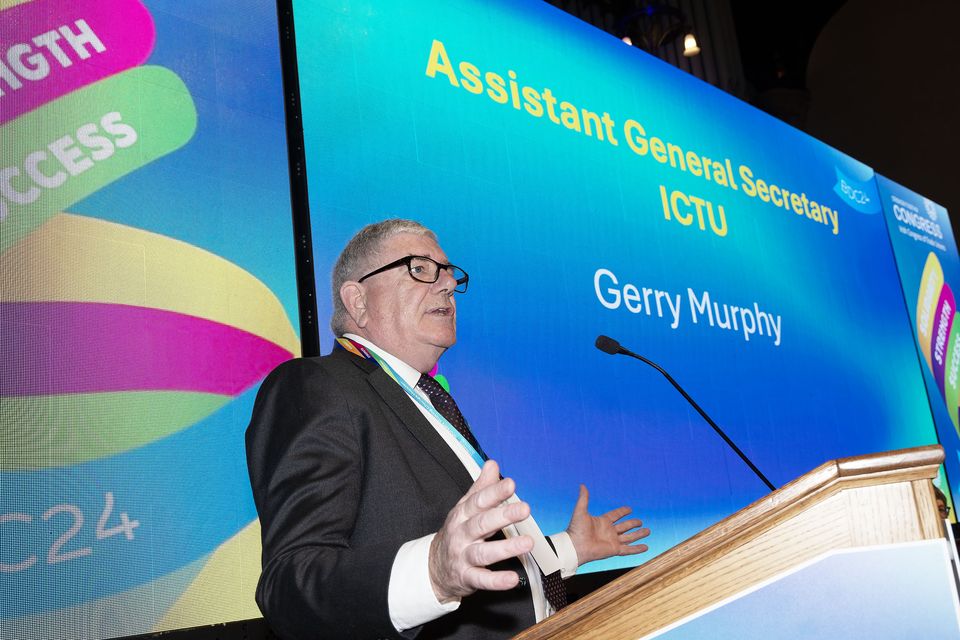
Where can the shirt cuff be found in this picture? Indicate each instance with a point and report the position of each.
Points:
(410, 595)
(566, 552)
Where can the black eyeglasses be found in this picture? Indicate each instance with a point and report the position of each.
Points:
(427, 270)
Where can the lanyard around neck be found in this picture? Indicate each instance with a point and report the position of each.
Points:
(358, 349)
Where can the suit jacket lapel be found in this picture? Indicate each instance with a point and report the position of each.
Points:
(409, 415)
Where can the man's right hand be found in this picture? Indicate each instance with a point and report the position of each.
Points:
(460, 553)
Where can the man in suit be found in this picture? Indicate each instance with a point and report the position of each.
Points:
(380, 515)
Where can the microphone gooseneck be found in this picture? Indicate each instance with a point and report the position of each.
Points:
(611, 346)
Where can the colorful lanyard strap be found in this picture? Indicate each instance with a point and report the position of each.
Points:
(358, 349)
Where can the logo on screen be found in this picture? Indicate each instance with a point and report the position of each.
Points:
(856, 193)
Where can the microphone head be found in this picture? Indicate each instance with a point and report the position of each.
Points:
(608, 345)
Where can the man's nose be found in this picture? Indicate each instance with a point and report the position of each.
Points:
(446, 282)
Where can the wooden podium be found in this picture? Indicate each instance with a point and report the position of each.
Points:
(868, 500)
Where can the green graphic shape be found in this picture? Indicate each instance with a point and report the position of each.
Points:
(74, 146)
(951, 377)
(442, 381)
(49, 431)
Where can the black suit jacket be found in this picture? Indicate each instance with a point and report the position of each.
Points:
(344, 470)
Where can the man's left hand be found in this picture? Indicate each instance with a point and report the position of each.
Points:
(599, 537)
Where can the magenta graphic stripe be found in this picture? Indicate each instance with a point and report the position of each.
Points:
(54, 47)
(942, 323)
(83, 347)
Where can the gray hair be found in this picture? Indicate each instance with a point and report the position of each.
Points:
(355, 258)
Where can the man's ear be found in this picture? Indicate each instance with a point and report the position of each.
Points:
(354, 298)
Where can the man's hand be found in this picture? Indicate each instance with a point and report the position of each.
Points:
(599, 537)
(460, 553)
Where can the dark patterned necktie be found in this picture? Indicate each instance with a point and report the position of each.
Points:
(554, 590)
(444, 403)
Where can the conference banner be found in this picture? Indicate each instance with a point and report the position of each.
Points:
(589, 188)
(929, 266)
(146, 287)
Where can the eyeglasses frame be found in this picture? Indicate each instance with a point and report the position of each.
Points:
(407, 260)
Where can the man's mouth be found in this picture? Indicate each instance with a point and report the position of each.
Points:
(441, 311)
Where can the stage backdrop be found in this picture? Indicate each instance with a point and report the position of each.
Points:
(146, 286)
(589, 188)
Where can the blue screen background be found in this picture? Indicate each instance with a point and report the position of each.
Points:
(532, 210)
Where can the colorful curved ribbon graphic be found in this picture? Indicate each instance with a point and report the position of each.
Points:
(131, 359)
(939, 334)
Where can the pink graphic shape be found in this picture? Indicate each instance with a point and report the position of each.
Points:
(122, 28)
(85, 347)
(942, 322)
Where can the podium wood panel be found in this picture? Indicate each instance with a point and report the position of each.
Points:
(867, 500)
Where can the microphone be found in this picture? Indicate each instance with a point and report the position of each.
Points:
(611, 346)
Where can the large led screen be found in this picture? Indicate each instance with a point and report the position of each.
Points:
(146, 287)
(589, 188)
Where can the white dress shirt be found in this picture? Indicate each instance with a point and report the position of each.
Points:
(410, 596)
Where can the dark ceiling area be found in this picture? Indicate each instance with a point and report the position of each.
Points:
(776, 39)
(851, 73)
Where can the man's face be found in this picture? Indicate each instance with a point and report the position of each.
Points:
(415, 321)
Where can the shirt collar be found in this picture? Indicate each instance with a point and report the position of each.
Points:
(410, 375)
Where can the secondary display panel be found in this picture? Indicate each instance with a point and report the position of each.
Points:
(588, 189)
(146, 287)
(929, 266)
